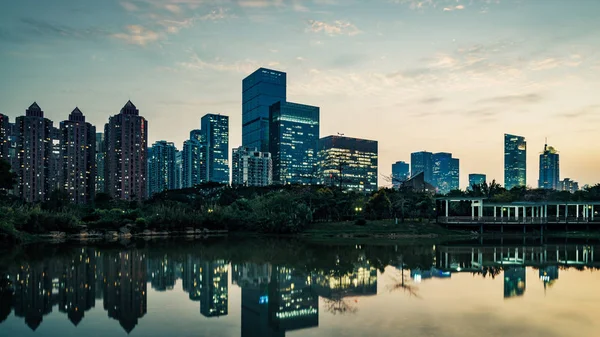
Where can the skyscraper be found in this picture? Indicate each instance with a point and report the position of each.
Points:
(515, 161)
(100, 155)
(445, 172)
(476, 179)
(349, 163)
(126, 139)
(422, 162)
(549, 168)
(193, 159)
(178, 169)
(400, 173)
(293, 140)
(34, 150)
(568, 185)
(162, 173)
(5, 133)
(251, 167)
(215, 129)
(78, 158)
(260, 90)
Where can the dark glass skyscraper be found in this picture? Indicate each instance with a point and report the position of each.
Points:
(515, 161)
(294, 136)
(162, 174)
(445, 172)
(476, 179)
(400, 173)
(193, 160)
(260, 90)
(215, 130)
(422, 162)
(549, 168)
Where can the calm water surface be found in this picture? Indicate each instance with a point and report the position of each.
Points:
(289, 288)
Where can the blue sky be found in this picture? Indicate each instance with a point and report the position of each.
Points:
(436, 75)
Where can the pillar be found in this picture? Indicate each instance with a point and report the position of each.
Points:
(566, 212)
(494, 213)
(577, 211)
(592, 212)
(517, 212)
(557, 211)
(481, 208)
(472, 211)
(446, 208)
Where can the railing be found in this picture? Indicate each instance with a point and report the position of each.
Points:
(514, 220)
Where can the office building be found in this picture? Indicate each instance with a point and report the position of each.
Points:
(55, 181)
(422, 162)
(78, 158)
(515, 161)
(476, 179)
(260, 90)
(100, 155)
(5, 133)
(178, 169)
(445, 172)
(251, 167)
(193, 160)
(549, 168)
(215, 130)
(34, 151)
(400, 173)
(162, 168)
(126, 143)
(293, 140)
(349, 163)
(568, 185)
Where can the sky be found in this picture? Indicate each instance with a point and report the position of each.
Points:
(436, 75)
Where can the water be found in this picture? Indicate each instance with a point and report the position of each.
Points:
(291, 288)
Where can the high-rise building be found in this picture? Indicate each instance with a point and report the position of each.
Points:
(476, 179)
(250, 167)
(445, 172)
(126, 139)
(178, 169)
(549, 168)
(515, 161)
(5, 133)
(293, 140)
(568, 185)
(100, 155)
(214, 300)
(193, 160)
(162, 169)
(78, 159)
(260, 90)
(349, 163)
(55, 181)
(215, 129)
(422, 162)
(400, 173)
(34, 151)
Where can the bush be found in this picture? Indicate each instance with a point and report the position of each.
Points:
(360, 222)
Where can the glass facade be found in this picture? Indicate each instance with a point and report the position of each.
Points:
(445, 172)
(215, 130)
(260, 90)
(162, 174)
(294, 136)
(350, 163)
(193, 160)
(422, 162)
(400, 173)
(476, 179)
(549, 168)
(515, 161)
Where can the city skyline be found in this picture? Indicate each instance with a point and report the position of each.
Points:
(344, 61)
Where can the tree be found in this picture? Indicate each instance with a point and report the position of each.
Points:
(8, 179)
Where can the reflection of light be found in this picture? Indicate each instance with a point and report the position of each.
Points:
(417, 278)
(458, 269)
(263, 300)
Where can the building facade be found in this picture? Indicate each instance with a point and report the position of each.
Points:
(126, 143)
(162, 168)
(178, 169)
(515, 161)
(78, 153)
(349, 163)
(193, 160)
(293, 140)
(549, 168)
(215, 130)
(445, 172)
(5, 134)
(422, 162)
(568, 185)
(34, 150)
(260, 90)
(100, 155)
(251, 167)
(476, 179)
(400, 173)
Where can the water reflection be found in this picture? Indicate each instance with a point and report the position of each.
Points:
(279, 292)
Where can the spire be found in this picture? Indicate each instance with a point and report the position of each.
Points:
(130, 109)
(76, 115)
(34, 110)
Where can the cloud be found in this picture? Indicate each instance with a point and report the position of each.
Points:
(137, 35)
(173, 8)
(450, 9)
(431, 100)
(243, 67)
(43, 28)
(552, 62)
(587, 111)
(130, 7)
(513, 99)
(338, 27)
(260, 3)
(218, 14)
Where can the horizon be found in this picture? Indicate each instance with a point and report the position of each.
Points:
(482, 69)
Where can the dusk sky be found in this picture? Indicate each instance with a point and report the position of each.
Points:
(435, 75)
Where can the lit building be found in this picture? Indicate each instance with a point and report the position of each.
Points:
(178, 169)
(5, 133)
(360, 281)
(549, 169)
(568, 185)
(100, 155)
(34, 151)
(349, 163)
(193, 160)
(78, 148)
(476, 179)
(215, 129)
(126, 143)
(260, 90)
(445, 172)
(162, 169)
(293, 303)
(77, 293)
(214, 299)
(422, 162)
(55, 180)
(161, 272)
(293, 140)
(400, 173)
(515, 161)
(31, 299)
(191, 279)
(251, 167)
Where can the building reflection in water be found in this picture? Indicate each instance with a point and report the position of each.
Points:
(361, 280)
(77, 285)
(161, 273)
(514, 282)
(214, 296)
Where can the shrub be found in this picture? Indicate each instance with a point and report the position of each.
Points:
(360, 222)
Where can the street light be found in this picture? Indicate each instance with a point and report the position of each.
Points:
(358, 209)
